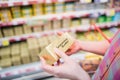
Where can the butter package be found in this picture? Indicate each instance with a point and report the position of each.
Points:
(63, 43)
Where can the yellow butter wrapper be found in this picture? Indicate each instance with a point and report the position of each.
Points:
(63, 43)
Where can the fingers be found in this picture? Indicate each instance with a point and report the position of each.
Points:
(46, 67)
(59, 33)
(60, 53)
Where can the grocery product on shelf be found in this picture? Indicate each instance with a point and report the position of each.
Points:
(5, 52)
(16, 12)
(48, 25)
(59, 7)
(15, 50)
(66, 22)
(5, 62)
(27, 29)
(33, 48)
(69, 7)
(18, 30)
(56, 24)
(1, 33)
(48, 8)
(27, 11)
(6, 15)
(8, 32)
(37, 9)
(75, 22)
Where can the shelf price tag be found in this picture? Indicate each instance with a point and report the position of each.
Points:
(5, 42)
(110, 12)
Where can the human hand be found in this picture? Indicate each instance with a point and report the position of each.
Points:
(74, 48)
(69, 69)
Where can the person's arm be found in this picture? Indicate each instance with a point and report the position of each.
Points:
(98, 47)
(69, 69)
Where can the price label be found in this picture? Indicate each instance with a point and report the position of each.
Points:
(5, 42)
(110, 12)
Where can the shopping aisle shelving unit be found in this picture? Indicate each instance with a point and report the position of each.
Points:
(33, 70)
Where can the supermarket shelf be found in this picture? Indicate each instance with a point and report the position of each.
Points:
(45, 33)
(30, 71)
(58, 16)
(28, 2)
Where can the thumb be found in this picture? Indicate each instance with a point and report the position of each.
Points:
(60, 53)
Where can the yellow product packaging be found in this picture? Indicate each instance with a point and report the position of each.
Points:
(4, 63)
(37, 9)
(16, 60)
(16, 12)
(33, 46)
(27, 11)
(5, 52)
(1, 35)
(18, 30)
(6, 15)
(63, 43)
(15, 50)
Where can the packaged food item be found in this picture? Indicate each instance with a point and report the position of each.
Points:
(16, 60)
(27, 29)
(37, 9)
(69, 6)
(16, 11)
(108, 18)
(66, 22)
(4, 63)
(59, 7)
(38, 28)
(18, 30)
(85, 21)
(63, 43)
(48, 8)
(27, 11)
(101, 19)
(5, 52)
(75, 22)
(15, 49)
(33, 47)
(48, 25)
(1, 35)
(8, 32)
(6, 15)
(42, 44)
(25, 58)
(56, 24)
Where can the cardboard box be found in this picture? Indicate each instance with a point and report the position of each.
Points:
(1, 35)
(48, 25)
(15, 50)
(66, 22)
(27, 29)
(8, 32)
(18, 30)
(63, 43)
(33, 46)
(57, 24)
(16, 60)
(4, 63)
(5, 52)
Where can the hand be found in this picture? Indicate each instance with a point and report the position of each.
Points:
(69, 69)
(74, 48)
